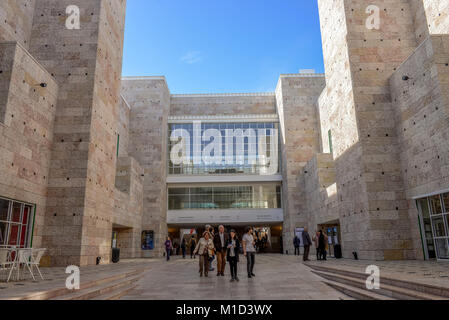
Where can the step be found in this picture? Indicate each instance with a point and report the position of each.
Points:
(424, 288)
(92, 293)
(53, 293)
(355, 293)
(116, 294)
(386, 290)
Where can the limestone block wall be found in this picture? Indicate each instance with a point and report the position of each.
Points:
(123, 127)
(87, 66)
(16, 19)
(421, 114)
(369, 180)
(431, 17)
(222, 104)
(149, 99)
(320, 190)
(296, 97)
(128, 204)
(26, 132)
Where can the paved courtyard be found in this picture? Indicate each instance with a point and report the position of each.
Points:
(277, 278)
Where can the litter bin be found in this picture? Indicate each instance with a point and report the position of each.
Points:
(337, 251)
(115, 255)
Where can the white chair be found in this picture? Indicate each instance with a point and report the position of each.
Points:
(36, 256)
(5, 261)
(24, 257)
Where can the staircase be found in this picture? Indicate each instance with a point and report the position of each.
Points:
(353, 284)
(109, 288)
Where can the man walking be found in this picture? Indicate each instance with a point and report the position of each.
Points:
(296, 244)
(221, 243)
(192, 245)
(306, 242)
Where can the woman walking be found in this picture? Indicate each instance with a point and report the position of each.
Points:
(205, 249)
(322, 239)
(168, 248)
(233, 251)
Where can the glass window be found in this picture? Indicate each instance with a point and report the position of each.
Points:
(438, 227)
(266, 157)
(3, 230)
(4, 206)
(435, 204)
(442, 248)
(229, 197)
(446, 202)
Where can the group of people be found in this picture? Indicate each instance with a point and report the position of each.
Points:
(320, 239)
(225, 248)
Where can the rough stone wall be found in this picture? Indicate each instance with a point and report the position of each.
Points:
(373, 209)
(123, 127)
(16, 19)
(421, 114)
(200, 105)
(296, 106)
(320, 190)
(149, 99)
(26, 133)
(87, 65)
(431, 17)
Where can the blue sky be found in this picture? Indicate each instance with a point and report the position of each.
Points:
(211, 46)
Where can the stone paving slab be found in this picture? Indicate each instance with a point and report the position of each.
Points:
(55, 278)
(425, 272)
(278, 277)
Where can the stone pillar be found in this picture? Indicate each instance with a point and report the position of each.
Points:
(87, 66)
(149, 99)
(356, 106)
(296, 98)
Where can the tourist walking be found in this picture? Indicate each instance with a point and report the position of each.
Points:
(296, 244)
(204, 249)
(306, 243)
(249, 251)
(212, 256)
(192, 245)
(183, 248)
(220, 243)
(232, 253)
(315, 239)
(322, 242)
(168, 247)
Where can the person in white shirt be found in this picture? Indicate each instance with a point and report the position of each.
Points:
(249, 251)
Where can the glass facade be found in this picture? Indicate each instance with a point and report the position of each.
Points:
(263, 196)
(16, 219)
(434, 211)
(223, 148)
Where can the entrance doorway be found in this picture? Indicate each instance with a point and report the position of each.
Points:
(332, 230)
(268, 237)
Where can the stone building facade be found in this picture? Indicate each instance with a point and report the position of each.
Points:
(363, 149)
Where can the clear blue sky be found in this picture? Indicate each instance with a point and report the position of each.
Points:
(211, 46)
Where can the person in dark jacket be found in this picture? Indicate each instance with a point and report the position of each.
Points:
(183, 248)
(296, 244)
(306, 241)
(192, 245)
(232, 254)
(322, 240)
(220, 243)
(168, 247)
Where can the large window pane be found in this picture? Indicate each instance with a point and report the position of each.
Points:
(435, 204)
(442, 248)
(438, 226)
(229, 197)
(13, 239)
(4, 205)
(3, 230)
(446, 202)
(16, 210)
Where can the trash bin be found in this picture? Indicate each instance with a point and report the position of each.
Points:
(337, 251)
(115, 255)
